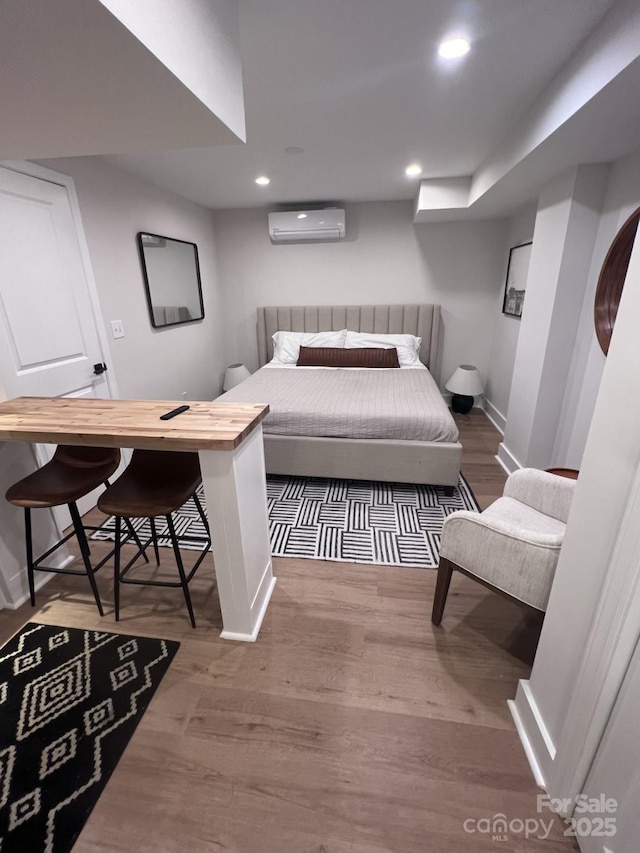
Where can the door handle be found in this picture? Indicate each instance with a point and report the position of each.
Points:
(99, 369)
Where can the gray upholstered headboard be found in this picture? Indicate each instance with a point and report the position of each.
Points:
(421, 320)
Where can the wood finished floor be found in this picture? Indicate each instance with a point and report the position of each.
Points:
(351, 725)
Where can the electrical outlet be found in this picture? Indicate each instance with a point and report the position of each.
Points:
(184, 395)
(117, 328)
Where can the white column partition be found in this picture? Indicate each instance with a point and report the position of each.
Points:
(235, 490)
(592, 622)
(565, 231)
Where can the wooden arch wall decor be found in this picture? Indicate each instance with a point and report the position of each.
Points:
(611, 281)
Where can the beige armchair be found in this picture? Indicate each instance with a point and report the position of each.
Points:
(511, 547)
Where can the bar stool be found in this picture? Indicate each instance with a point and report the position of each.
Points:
(156, 483)
(71, 474)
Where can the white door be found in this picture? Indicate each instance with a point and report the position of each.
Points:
(49, 340)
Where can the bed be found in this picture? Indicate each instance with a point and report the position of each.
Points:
(424, 450)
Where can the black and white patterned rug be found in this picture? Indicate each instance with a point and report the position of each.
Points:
(357, 521)
(69, 702)
(353, 521)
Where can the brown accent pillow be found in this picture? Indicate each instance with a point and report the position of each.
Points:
(340, 357)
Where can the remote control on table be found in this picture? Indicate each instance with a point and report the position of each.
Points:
(168, 415)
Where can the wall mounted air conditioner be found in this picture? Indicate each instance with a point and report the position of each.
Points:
(293, 226)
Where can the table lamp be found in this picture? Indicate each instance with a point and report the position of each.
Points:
(464, 383)
(234, 375)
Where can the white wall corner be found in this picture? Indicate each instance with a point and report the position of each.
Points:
(16, 588)
(506, 459)
(495, 416)
(533, 733)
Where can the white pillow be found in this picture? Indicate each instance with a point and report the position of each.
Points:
(286, 345)
(408, 346)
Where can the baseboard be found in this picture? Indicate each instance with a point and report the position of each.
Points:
(533, 733)
(17, 586)
(506, 459)
(259, 609)
(497, 418)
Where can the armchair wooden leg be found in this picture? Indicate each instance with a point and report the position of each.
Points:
(445, 570)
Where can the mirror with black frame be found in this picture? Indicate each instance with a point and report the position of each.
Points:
(172, 279)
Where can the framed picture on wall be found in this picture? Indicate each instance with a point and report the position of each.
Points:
(516, 283)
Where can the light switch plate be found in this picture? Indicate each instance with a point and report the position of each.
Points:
(117, 329)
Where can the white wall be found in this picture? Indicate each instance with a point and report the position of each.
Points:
(624, 182)
(385, 259)
(574, 402)
(566, 226)
(506, 329)
(622, 198)
(616, 768)
(149, 363)
(598, 567)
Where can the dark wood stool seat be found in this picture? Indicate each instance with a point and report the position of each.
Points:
(72, 473)
(156, 483)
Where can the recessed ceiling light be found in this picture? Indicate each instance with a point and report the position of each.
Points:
(263, 180)
(453, 48)
(302, 216)
(413, 170)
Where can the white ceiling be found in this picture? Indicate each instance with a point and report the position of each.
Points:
(102, 76)
(358, 85)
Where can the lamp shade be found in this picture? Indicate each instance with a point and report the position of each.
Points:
(234, 375)
(466, 381)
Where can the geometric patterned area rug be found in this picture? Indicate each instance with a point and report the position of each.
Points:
(69, 702)
(354, 521)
